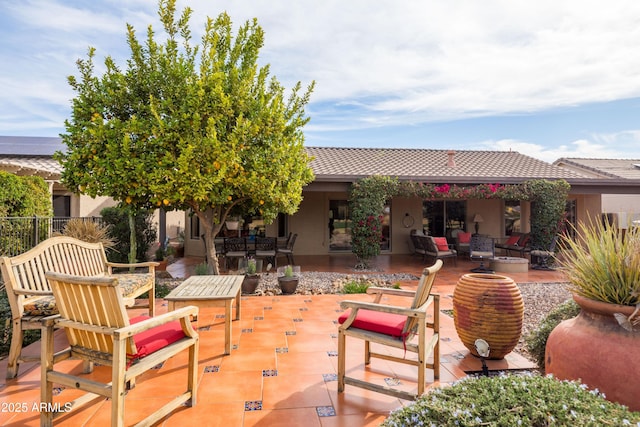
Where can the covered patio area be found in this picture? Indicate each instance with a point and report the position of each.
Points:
(283, 364)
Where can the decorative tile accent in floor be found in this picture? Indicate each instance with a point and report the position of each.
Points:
(326, 411)
(392, 382)
(329, 377)
(253, 405)
(212, 368)
(269, 372)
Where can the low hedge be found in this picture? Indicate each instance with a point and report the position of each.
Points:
(513, 400)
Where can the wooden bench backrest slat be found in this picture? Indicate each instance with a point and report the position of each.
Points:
(93, 301)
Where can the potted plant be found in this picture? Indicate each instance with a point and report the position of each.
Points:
(288, 277)
(601, 345)
(251, 277)
(161, 259)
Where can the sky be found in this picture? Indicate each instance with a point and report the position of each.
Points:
(546, 78)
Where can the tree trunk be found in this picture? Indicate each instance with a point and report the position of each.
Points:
(133, 246)
(210, 230)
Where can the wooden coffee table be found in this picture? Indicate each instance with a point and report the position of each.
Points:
(210, 291)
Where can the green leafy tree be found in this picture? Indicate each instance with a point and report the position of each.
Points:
(189, 127)
(23, 196)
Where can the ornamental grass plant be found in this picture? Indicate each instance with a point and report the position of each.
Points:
(603, 263)
(513, 400)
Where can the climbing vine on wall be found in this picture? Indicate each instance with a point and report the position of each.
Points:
(369, 195)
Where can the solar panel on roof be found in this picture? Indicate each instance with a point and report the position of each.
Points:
(30, 145)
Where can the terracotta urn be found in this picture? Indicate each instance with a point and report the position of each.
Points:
(596, 350)
(488, 307)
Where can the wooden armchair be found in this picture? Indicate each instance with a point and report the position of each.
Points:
(94, 317)
(394, 326)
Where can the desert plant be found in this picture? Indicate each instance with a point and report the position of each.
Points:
(526, 400)
(356, 286)
(89, 231)
(251, 267)
(604, 265)
(537, 340)
(201, 269)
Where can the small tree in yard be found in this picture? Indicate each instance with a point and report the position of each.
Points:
(189, 127)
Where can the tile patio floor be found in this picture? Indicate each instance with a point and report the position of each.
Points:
(281, 371)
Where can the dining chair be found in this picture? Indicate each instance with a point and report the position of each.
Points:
(234, 248)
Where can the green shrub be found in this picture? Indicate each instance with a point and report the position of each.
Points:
(201, 269)
(515, 400)
(356, 286)
(118, 224)
(537, 340)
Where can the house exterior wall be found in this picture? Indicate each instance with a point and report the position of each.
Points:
(588, 206)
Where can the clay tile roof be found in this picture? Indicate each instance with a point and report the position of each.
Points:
(603, 168)
(350, 164)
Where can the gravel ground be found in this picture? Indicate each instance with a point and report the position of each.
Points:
(539, 298)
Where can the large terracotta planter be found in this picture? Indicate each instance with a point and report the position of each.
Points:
(596, 350)
(488, 306)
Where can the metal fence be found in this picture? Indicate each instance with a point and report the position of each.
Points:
(19, 234)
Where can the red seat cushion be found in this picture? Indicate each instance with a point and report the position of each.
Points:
(513, 240)
(441, 243)
(464, 237)
(375, 321)
(156, 338)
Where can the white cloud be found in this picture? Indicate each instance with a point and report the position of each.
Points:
(582, 148)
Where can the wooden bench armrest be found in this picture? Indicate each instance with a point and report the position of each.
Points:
(31, 292)
(391, 291)
(179, 314)
(383, 308)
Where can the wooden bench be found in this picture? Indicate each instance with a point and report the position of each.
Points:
(31, 298)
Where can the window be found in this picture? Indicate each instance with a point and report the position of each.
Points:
(340, 226)
(61, 206)
(441, 217)
(195, 227)
(571, 218)
(512, 223)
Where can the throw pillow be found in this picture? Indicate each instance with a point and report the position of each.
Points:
(464, 237)
(441, 243)
(513, 240)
